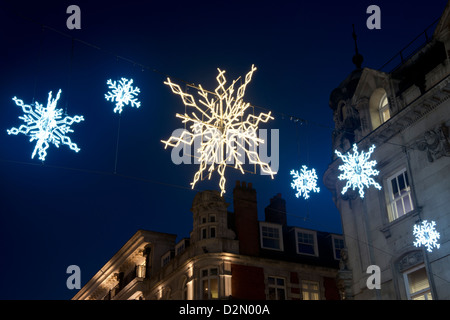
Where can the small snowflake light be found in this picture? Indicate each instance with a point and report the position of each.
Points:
(225, 130)
(123, 93)
(357, 170)
(304, 182)
(426, 235)
(46, 125)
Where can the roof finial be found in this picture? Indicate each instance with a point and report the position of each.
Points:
(357, 58)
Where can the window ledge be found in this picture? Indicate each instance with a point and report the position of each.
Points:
(386, 229)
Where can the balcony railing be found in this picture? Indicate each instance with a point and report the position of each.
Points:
(410, 49)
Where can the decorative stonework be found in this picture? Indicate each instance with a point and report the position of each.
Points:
(344, 278)
(208, 200)
(436, 143)
(410, 260)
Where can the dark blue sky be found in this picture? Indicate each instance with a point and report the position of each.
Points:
(74, 209)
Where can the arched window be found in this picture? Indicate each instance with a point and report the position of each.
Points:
(385, 114)
(379, 108)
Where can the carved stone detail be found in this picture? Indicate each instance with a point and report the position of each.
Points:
(410, 260)
(344, 278)
(436, 143)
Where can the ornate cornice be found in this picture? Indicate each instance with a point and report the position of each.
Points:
(412, 113)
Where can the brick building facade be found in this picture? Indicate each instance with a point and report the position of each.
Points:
(229, 255)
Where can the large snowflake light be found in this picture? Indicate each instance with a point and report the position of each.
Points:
(304, 182)
(357, 170)
(46, 125)
(226, 132)
(426, 235)
(123, 93)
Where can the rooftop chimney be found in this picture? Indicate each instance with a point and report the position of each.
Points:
(246, 218)
(276, 211)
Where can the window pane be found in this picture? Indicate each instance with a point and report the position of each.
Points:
(214, 288)
(213, 272)
(205, 290)
(418, 281)
(310, 290)
(406, 178)
(386, 115)
(407, 203)
(338, 245)
(271, 281)
(401, 182)
(399, 204)
(270, 243)
(280, 282)
(280, 294)
(305, 242)
(212, 232)
(204, 273)
(314, 296)
(305, 248)
(272, 294)
(394, 187)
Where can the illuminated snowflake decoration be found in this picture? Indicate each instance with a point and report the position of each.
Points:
(357, 170)
(304, 182)
(426, 235)
(226, 132)
(123, 93)
(45, 125)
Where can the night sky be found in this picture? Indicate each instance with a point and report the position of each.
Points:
(80, 208)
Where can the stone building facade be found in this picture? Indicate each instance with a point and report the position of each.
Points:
(405, 113)
(229, 255)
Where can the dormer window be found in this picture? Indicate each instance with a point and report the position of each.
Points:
(385, 113)
(306, 241)
(271, 236)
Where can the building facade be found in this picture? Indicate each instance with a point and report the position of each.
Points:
(405, 113)
(229, 255)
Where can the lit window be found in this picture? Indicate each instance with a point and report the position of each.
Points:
(210, 283)
(306, 242)
(277, 288)
(310, 290)
(399, 195)
(271, 236)
(385, 114)
(338, 244)
(417, 285)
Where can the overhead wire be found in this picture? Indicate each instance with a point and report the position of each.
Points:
(283, 116)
